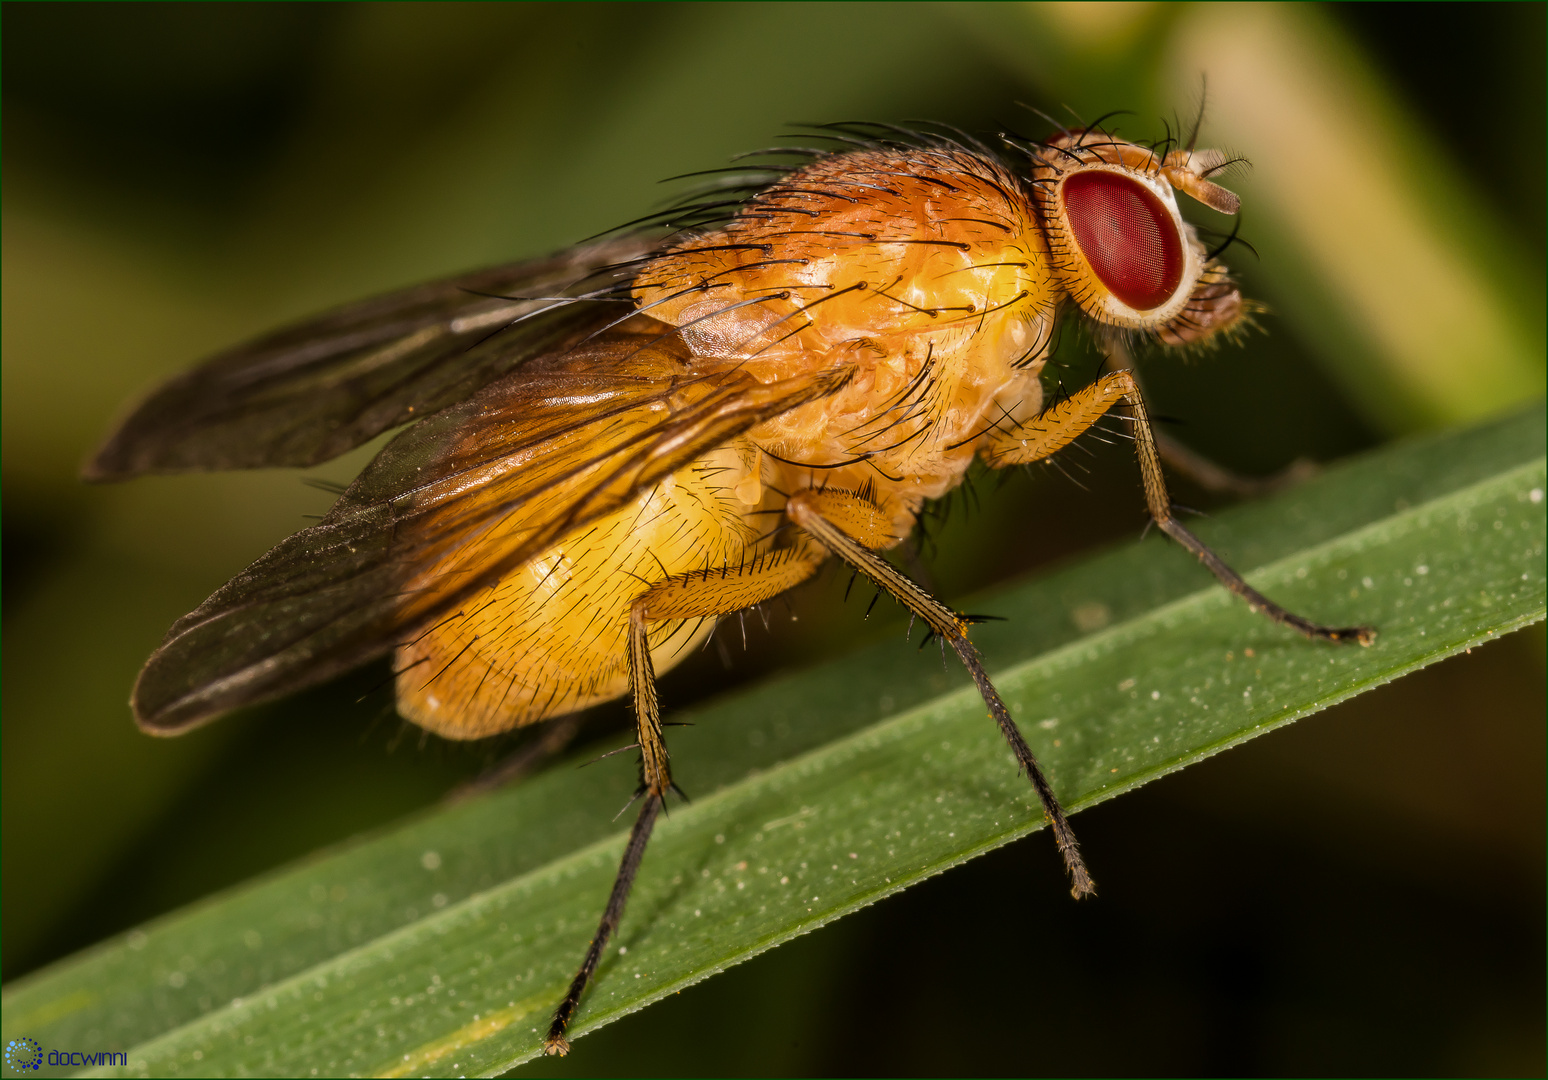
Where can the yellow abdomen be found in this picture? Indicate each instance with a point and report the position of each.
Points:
(551, 638)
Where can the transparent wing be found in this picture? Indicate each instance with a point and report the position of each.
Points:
(310, 392)
(451, 505)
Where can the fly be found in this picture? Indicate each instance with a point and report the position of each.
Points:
(613, 448)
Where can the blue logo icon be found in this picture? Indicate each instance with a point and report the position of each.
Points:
(23, 1055)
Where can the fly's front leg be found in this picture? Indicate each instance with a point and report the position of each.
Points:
(1057, 427)
(700, 594)
(849, 526)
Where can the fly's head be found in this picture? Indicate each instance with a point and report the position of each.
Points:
(1118, 244)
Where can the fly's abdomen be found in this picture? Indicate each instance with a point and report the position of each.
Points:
(550, 638)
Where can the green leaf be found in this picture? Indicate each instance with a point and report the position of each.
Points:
(443, 945)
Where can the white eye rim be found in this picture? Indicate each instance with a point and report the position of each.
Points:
(1095, 298)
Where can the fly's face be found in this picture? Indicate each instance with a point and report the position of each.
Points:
(1118, 243)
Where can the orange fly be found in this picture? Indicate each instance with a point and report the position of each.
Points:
(611, 449)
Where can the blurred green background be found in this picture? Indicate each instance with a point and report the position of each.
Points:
(178, 177)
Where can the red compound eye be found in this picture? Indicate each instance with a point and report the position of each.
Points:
(1127, 237)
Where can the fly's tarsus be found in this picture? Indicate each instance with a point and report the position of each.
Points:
(555, 1043)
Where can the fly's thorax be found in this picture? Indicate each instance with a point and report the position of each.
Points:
(550, 637)
(923, 271)
(912, 417)
(883, 245)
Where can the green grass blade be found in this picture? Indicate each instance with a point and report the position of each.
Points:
(441, 946)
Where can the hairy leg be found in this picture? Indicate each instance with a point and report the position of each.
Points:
(818, 513)
(699, 594)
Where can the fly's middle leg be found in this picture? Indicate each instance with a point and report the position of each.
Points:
(864, 525)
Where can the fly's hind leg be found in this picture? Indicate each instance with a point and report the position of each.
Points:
(700, 594)
(655, 780)
(849, 526)
(1058, 426)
